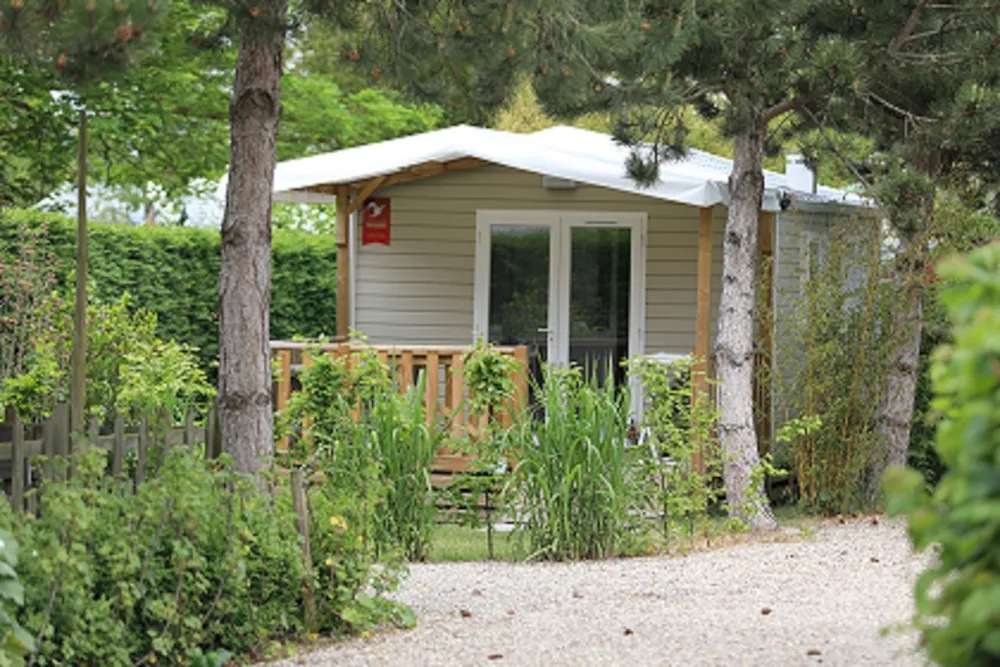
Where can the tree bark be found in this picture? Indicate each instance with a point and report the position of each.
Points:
(734, 347)
(245, 408)
(896, 408)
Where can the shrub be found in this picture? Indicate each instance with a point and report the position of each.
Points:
(680, 434)
(173, 272)
(577, 478)
(958, 597)
(836, 341)
(367, 435)
(128, 368)
(490, 378)
(195, 561)
(15, 642)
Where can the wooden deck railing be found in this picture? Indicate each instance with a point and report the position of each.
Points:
(445, 392)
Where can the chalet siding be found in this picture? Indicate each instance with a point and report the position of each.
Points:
(419, 290)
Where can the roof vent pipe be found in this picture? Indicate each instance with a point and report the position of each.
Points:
(798, 174)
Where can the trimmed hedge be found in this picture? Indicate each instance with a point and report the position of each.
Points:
(174, 272)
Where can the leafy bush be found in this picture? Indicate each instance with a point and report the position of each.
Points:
(15, 642)
(490, 377)
(577, 479)
(128, 369)
(197, 560)
(371, 437)
(173, 272)
(836, 340)
(680, 433)
(28, 305)
(958, 597)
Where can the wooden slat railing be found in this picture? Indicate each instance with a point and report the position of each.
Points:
(445, 391)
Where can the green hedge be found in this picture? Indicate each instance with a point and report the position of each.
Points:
(174, 272)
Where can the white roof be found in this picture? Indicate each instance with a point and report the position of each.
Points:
(700, 179)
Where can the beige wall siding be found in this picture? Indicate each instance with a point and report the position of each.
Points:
(420, 289)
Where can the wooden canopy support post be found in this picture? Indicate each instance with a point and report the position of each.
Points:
(763, 376)
(343, 264)
(703, 317)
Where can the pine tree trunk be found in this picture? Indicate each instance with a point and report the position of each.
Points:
(896, 409)
(734, 350)
(245, 408)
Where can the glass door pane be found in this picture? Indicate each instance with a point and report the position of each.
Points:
(599, 288)
(519, 289)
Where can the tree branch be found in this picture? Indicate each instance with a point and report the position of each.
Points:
(796, 102)
(909, 27)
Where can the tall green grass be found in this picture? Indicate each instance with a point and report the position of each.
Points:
(404, 446)
(575, 473)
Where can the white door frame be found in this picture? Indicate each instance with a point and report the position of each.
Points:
(561, 224)
(481, 299)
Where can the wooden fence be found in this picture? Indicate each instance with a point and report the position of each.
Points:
(56, 440)
(445, 392)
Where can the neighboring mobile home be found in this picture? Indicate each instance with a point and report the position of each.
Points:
(541, 239)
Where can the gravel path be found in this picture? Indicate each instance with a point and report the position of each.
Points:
(813, 600)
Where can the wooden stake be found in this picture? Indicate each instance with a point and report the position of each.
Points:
(703, 318)
(61, 435)
(17, 465)
(118, 445)
(142, 451)
(300, 506)
(78, 379)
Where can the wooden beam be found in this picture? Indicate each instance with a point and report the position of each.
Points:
(343, 264)
(416, 172)
(359, 199)
(703, 318)
(703, 314)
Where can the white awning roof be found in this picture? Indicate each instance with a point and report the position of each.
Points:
(700, 179)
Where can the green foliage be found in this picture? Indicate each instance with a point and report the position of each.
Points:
(377, 465)
(578, 482)
(837, 338)
(158, 376)
(29, 306)
(39, 388)
(680, 433)
(15, 642)
(958, 597)
(128, 368)
(173, 273)
(195, 564)
(485, 484)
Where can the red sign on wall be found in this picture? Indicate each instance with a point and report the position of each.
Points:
(376, 221)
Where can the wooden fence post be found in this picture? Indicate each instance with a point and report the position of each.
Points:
(189, 432)
(166, 423)
(213, 432)
(302, 526)
(94, 430)
(61, 435)
(284, 391)
(142, 451)
(118, 445)
(17, 465)
(48, 445)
